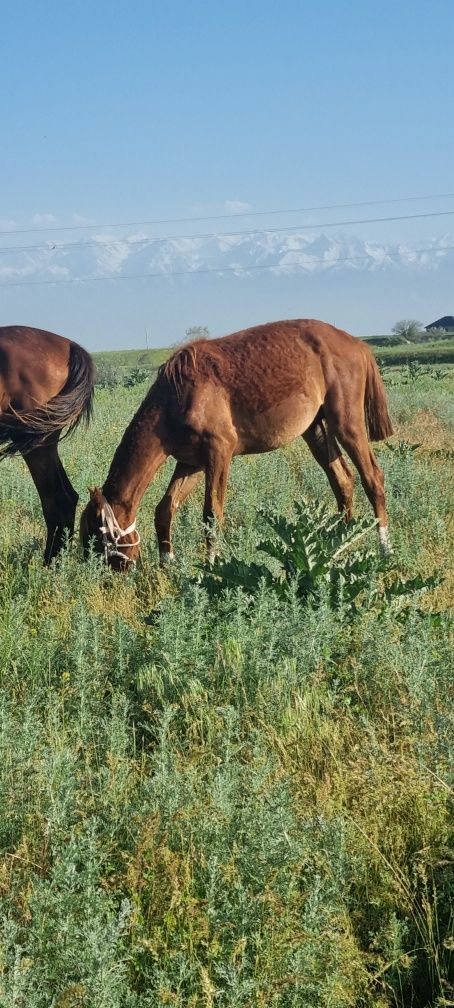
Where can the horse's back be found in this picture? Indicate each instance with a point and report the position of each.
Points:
(290, 341)
(287, 332)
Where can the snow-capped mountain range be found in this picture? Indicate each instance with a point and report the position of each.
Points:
(108, 256)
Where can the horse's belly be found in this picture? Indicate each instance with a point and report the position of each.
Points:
(276, 427)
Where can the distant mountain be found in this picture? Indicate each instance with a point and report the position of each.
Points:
(139, 254)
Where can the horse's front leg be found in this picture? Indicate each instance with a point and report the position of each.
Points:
(184, 480)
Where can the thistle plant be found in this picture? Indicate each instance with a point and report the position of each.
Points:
(315, 555)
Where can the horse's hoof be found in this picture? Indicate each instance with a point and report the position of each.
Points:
(384, 540)
(166, 557)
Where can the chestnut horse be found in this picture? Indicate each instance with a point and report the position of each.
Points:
(46, 385)
(253, 391)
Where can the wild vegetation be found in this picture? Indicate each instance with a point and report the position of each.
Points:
(240, 796)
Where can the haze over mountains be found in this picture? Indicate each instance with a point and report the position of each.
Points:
(103, 255)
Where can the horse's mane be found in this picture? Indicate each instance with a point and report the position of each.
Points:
(200, 357)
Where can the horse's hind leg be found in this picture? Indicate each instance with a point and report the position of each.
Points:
(351, 432)
(57, 495)
(184, 480)
(326, 452)
(216, 476)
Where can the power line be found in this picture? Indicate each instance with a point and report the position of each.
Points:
(231, 234)
(212, 269)
(242, 213)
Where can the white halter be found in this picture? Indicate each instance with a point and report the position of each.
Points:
(112, 533)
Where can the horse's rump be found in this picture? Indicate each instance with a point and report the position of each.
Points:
(26, 430)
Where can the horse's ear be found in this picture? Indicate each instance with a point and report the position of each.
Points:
(96, 498)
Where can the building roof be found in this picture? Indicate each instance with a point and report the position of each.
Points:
(447, 322)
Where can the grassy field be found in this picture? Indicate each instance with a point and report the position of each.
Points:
(228, 801)
(439, 352)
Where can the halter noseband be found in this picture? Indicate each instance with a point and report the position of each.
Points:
(112, 533)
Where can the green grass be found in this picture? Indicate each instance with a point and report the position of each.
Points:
(438, 352)
(231, 803)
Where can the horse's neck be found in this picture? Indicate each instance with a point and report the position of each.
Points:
(136, 460)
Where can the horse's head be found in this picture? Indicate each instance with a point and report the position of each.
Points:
(99, 525)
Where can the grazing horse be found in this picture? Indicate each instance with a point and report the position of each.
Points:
(46, 385)
(252, 391)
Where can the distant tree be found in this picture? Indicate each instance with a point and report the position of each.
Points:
(409, 330)
(196, 332)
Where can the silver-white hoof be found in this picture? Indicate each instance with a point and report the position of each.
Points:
(166, 557)
(384, 540)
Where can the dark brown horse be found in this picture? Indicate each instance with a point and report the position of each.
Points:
(253, 391)
(46, 385)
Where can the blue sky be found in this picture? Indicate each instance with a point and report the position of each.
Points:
(114, 113)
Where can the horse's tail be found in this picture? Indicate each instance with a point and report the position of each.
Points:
(27, 430)
(378, 421)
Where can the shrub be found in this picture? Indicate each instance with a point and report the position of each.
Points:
(135, 376)
(107, 375)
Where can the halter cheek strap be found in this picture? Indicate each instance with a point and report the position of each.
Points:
(112, 533)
